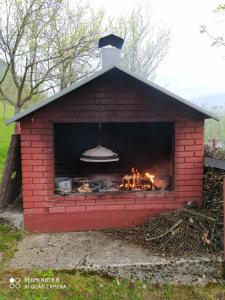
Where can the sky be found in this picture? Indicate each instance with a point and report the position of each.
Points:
(192, 68)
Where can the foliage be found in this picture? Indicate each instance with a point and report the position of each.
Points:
(215, 129)
(80, 27)
(146, 40)
(5, 134)
(8, 85)
(221, 8)
(216, 40)
(34, 44)
(48, 45)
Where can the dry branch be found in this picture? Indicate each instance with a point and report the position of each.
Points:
(201, 215)
(170, 230)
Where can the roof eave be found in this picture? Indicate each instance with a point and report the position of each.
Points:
(95, 75)
(41, 104)
(171, 94)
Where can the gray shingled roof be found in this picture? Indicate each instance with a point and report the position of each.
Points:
(80, 83)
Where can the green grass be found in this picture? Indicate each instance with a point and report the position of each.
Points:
(9, 237)
(5, 134)
(81, 286)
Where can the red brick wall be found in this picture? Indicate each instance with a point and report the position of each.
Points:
(122, 100)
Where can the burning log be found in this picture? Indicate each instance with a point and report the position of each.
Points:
(138, 181)
(127, 181)
(150, 177)
(111, 182)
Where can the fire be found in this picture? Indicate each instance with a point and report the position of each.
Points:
(150, 177)
(138, 181)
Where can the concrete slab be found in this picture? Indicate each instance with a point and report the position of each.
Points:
(95, 251)
(68, 250)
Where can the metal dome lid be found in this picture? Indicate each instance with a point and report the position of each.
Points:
(99, 154)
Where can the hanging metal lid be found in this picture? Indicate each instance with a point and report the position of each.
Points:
(99, 154)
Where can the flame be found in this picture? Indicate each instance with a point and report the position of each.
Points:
(150, 177)
(138, 181)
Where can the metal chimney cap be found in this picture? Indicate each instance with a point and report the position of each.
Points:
(99, 154)
(112, 40)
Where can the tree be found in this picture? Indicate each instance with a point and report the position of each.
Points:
(80, 27)
(216, 129)
(6, 85)
(49, 44)
(37, 50)
(216, 40)
(146, 41)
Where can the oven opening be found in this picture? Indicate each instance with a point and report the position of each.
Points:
(145, 152)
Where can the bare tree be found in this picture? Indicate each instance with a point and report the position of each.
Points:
(47, 45)
(146, 40)
(39, 48)
(80, 27)
(216, 40)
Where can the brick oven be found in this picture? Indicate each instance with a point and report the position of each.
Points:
(158, 136)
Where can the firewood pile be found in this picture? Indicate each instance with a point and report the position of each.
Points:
(191, 230)
(184, 232)
(213, 182)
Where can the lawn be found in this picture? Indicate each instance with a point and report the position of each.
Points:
(5, 134)
(94, 287)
